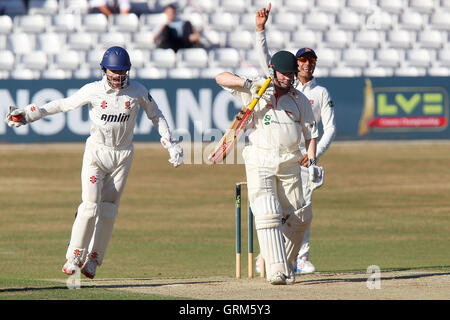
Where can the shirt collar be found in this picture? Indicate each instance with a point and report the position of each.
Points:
(311, 84)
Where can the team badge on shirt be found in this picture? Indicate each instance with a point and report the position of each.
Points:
(93, 179)
(104, 104)
(127, 105)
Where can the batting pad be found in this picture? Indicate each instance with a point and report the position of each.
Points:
(82, 228)
(267, 211)
(273, 251)
(103, 230)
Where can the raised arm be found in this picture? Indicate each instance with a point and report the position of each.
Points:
(261, 46)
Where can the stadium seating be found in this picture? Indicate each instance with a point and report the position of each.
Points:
(110, 39)
(192, 58)
(59, 74)
(6, 24)
(360, 6)
(164, 58)
(241, 39)
(124, 23)
(151, 73)
(183, 73)
(47, 7)
(36, 60)
(67, 60)
(305, 38)
(389, 57)
(368, 39)
(50, 42)
(45, 38)
(356, 57)
(225, 58)
(7, 59)
(337, 39)
(349, 20)
(444, 57)
(82, 41)
(391, 6)
(139, 57)
(65, 22)
(285, 21)
(21, 43)
(94, 22)
(432, 39)
(142, 40)
(31, 23)
(24, 74)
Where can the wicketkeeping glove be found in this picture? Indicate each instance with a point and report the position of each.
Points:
(175, 151)
(316, 177)
(15, 113)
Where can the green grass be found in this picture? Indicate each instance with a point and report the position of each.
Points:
(382, 203)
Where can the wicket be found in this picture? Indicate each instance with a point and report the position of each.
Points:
(250, 236)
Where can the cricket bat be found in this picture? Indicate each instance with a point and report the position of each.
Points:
(236, 129)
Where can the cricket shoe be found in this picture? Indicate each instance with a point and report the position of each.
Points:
(90, 266)
(278, 279)
(72, 265)
(304, 267)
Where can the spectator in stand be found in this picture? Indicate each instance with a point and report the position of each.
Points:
(176, 33)
(109, 7)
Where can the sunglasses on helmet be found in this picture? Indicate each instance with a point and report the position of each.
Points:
(310, 59)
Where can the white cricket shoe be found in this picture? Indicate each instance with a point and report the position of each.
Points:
(89, 268)
(71, 266)
(304, 267)
(278, 279)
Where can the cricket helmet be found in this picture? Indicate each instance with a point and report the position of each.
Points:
(284, 62)
(305, 51)
(116, 59)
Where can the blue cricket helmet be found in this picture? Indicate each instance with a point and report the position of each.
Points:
(116, 58)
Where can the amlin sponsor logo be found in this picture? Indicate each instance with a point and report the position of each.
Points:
(406, 109)
(122, 117)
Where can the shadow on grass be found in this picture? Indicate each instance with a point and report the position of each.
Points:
(97, 285)
(393, 277)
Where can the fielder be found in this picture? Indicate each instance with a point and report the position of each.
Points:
(114, 103)
(280, 118)
(323, 109)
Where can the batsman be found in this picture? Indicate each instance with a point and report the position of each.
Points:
(279, 119)
(114, 103)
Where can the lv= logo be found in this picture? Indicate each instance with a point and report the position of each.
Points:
(408, 109)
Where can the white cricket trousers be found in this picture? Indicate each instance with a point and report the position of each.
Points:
(307, 194)
(103, 177)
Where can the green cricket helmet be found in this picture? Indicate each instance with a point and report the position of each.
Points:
(284, 62)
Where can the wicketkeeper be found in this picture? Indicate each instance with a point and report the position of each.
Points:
(280, 118)
(114, 103)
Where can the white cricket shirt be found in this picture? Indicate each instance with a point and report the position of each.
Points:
(318, 96)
